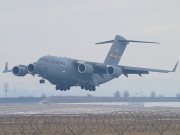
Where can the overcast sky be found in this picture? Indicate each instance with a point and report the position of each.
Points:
(31, 29)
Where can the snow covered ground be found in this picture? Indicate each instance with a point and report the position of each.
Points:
(81, 108)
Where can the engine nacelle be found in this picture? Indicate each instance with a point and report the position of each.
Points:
(85, 69)
(114, 71)
(31, 68)
(19, 71)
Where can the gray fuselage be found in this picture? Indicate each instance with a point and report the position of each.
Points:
(61, 70)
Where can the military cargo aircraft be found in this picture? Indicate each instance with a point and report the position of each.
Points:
(65, 73)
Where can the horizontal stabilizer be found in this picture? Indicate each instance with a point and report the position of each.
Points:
(138, 41)
(111, 41)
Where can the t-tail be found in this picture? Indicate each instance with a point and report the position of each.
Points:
(117, 49)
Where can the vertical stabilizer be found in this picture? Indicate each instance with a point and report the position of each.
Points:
(116, 51)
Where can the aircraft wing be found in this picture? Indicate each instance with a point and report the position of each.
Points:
(100, 68)
(137, 70)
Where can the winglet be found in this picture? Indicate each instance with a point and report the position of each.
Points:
(6, 68)
(174, 69)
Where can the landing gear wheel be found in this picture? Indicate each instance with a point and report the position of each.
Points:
(64, 88)
(61, 88)
(86, 87)
(68, 87)
(82, 87)
(57, 87)
(42, 81)
(93, 88)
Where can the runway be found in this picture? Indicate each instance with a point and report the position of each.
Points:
(77, 108)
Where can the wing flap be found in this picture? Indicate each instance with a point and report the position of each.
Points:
(133, 70)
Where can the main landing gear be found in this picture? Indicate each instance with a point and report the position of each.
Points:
(42, 81)
(62, 87)
(88, 87)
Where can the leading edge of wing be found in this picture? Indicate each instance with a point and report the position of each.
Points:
(149, 70)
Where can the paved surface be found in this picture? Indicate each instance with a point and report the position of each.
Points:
(94, 108)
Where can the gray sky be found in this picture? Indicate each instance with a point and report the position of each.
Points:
(31, 29)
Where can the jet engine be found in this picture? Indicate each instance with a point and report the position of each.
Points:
(31, 68)
(85, 69)
(19, 71)
(114, 71)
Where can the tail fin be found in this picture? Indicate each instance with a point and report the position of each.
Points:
(117, 49)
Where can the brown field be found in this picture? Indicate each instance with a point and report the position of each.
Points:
(126, 123)
(88, 119)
